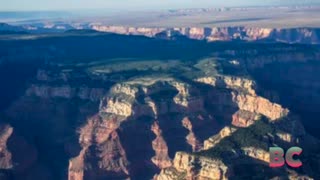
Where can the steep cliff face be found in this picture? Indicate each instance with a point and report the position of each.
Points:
(102, 154)
(297, 35)
(230, 82)
(161, 158)
(243, 97)
(150, 32)
(244, 118)
(142, 97)
(48, 117)
(191, 138)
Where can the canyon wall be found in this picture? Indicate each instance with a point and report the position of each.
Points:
(296, 35)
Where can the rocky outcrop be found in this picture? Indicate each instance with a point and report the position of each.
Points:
(150, 32)
(122, 99)
(161, 158)
(244, 118)
(242, 84)
(260, 105)
(186, 166)
(243, 96)
(191, 138)
(102, 154)
(257, 153)
(286, 137)
(212, 141)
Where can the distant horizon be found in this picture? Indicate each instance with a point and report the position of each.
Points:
(139, 5)
(21, 15)
(98, 10)
(143, 10)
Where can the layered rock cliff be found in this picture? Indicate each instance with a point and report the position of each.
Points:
(297, 35)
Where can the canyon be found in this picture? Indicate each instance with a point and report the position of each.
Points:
(164, 107)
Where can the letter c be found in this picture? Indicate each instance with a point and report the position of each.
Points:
(289, 157)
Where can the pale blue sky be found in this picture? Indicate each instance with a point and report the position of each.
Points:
(26, 5)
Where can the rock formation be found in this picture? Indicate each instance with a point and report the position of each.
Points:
(102, 154)
(186, 166)
(161, 158)
(297, 35)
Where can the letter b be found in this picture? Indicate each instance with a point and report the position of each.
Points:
(276, 157)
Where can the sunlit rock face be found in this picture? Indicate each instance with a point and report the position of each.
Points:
(161, 158)
(212, 141)
(297, 35)
(186, 166)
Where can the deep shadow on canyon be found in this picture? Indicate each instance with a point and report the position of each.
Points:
(298, 88)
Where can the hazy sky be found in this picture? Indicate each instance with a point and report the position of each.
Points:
(26, 5)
